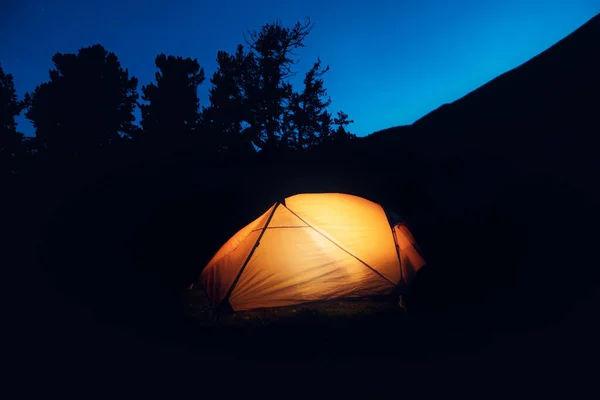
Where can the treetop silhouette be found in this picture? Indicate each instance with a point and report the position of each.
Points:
(89, 102)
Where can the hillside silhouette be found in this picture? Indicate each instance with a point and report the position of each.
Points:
(109, 222)
(520, 154)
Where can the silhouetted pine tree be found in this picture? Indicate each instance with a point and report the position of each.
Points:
(11, 141)
(253, 103)
(326, 130)
(341, 133)
(87, 104)
(305, 110)
(171, 112)
(267, 92)
(225, 117)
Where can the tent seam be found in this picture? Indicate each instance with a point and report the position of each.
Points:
(392, 229)
(346, 251)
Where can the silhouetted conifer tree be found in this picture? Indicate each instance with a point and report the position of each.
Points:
(326, 123)
(304, 114)
(342, 121)
(11, 141)
(172, 106)
(88, 103)
(253, 103)
(224, 118)
(267, 92)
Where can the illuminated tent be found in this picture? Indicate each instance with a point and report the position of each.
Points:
(312, 247)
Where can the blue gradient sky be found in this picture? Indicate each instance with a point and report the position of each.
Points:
(392, 61)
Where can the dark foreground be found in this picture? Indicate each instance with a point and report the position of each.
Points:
(357, 349)
(504, 305)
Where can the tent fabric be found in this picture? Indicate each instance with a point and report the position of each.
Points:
(223, 268)
(312, 247)
(410, 257)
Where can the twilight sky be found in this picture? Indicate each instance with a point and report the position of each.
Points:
(392, 61)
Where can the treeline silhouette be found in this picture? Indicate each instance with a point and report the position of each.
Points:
(88, 104)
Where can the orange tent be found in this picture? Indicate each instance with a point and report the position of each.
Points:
(312, 247)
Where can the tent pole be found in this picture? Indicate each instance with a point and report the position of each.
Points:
(235, 281)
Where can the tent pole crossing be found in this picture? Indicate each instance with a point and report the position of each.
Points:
(237, 278)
